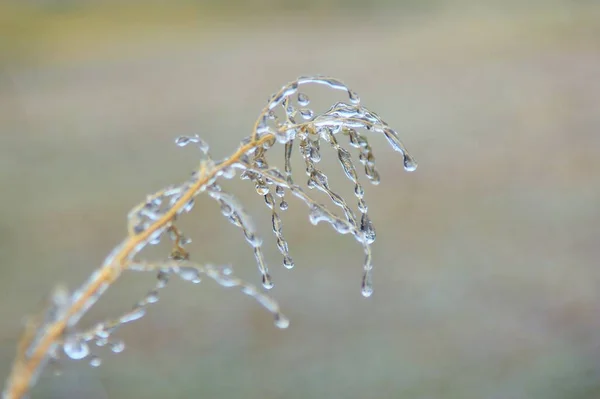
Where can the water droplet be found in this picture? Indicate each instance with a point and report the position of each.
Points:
(182, 141)
(353, 136)
(163, 279)
(303, 100)
(362, 206)
(75, 348)
(262, 188)
(366, 226)
(202, 145)
(277, 224)
(188, 207)
(317, 214)
(101, 331)
(135, 314)
(283, 205)
(367, 291)
(288, 263)
(269, 200)
(228, 172)
(306, 113)
(269, 143)
(372, 174)
(226, 210)
(281, 321)
(154, 239)
(370, 159)
(290, 111)
(280, 191)
(95, 361)
(266, 282)
(347, 165)
(353, 96)
(254, 240)
(189, 274)
(118, 346)
(319, 178)
(315, 155)
(341, 227)
(367, 279)
(152, 297)
(246, 175)
(285, 135)
(263, 126)
(410, 165)
(359, 191)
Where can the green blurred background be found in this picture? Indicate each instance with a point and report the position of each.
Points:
(487, 280)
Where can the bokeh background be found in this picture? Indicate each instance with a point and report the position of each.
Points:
(487, 280)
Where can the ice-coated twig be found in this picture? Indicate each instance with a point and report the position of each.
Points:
(287, 119)
(319, 212)
(223, 275)
(262, 188)
(235, 213)
(76, 345)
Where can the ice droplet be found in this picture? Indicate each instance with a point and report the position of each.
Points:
(152, 297)
(163, 279)
(280, 191)
(290, 111)
(135, 314)
(266, 281)
(101, 331)
(188, 206)
(75, 348)
(228, 172)
(269, 200)
(95, 361)
(306, 113)
(288, 263)
(316, 214)
(410, 165)
(347, 165)
(263, 126)
(189, 274)
(341, 226)
(366, 226)
(303, 100)
(261, 188)
(118, 347)
(182, 141)
(281, 321)
(359, 191)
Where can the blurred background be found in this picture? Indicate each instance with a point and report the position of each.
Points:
(487, 280)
